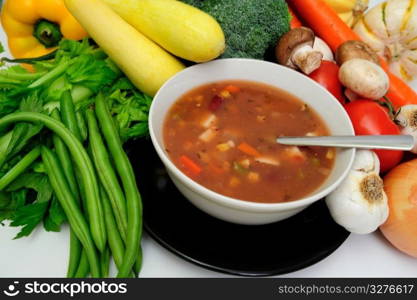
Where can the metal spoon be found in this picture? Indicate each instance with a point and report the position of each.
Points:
(389, 142)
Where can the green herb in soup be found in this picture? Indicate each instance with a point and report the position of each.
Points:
(223, 136)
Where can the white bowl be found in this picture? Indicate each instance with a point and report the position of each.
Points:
(234, 210)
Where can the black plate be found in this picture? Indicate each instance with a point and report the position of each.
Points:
(278, 248)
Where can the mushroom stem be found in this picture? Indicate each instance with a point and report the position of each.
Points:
(351, 95)
(307, 59)
(321, 46)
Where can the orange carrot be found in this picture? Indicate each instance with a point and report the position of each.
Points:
(399, 93)
(248, 149)
(326, 23)
(295, 22)
(232, 89)
(190, 165)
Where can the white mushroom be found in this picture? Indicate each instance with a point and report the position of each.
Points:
(407, 120)
(355, 49)
(321, 46)
(360, 204)
(364, 78)
(295, 50)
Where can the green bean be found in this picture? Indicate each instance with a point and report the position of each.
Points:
(105, 263)
(68, 114)
(115, 241)
(127, 176)
(19, 168)
(106, 174)
(69, 119)
(74, 254)
(138, 263)
(65, 159)
(81, 125)
(84, 267)
(66, 163)
(75, 218)
(82, 161)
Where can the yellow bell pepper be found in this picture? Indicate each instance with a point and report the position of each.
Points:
(35, 27)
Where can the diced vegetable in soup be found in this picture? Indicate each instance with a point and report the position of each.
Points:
(223, 136)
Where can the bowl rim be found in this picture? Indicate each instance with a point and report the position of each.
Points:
(230, 202)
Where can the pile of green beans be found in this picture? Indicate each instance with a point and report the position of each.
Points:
(93, 180)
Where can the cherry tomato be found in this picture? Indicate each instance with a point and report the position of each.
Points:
(370, 118)
(328, 76)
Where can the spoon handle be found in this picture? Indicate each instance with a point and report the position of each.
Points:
(389, 142)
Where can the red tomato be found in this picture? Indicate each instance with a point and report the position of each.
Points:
(370, 118)
(328, 76)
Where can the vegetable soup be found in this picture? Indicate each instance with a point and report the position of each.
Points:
(223, 136)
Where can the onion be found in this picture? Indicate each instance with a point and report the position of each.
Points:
(401, 226)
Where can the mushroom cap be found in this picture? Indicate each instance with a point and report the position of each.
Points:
(291, 41)
(355, 49)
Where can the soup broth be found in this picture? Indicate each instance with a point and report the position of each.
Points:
(223, 136)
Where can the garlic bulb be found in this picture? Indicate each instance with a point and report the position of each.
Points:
(390, 29)
(407, 120)
(360, 204)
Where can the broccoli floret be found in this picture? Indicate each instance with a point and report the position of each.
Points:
(250, 26)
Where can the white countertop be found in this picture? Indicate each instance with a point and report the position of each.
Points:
(45, 254)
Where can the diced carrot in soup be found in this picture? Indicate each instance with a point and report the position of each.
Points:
(189, 165)
(228, 143)
(232, 88)
(248, 149)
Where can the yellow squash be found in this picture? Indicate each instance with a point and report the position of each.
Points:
(146, 64)
(350, 11)
(181, 29)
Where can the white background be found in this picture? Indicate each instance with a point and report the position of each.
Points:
(45, 255)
